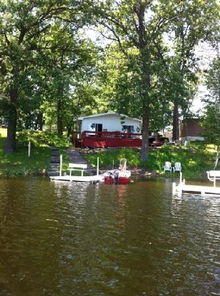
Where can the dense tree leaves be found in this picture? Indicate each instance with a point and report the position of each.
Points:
(28, 31)
(48, 71)
(211, 118)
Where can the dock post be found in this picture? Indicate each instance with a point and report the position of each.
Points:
(61, 164)
(180, 190)
(181, 177)
(97, 167)
(29, 149)
(173, 188)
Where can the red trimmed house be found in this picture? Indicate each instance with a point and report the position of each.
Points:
(108, 130)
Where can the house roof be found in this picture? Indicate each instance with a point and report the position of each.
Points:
(108, 114)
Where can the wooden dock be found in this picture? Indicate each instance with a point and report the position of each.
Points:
(90, 179)
(182, 188)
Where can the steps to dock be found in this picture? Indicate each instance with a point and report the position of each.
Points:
(74, 157)
(54, 162)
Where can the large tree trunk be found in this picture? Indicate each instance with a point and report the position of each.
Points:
(59, 118)
(175, 122)
(10, 144)
(145, 135)
(146, 111)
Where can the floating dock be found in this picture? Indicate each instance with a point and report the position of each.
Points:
(91, 179)
(182, 188)
(75, 178)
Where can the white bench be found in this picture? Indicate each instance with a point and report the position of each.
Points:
(77, 167)
(213, 176)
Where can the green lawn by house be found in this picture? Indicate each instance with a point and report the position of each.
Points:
(195, 158)
(19, 164)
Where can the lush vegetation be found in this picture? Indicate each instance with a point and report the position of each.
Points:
(195, 158)
(19, 164)
(52, 71)
(41, 138)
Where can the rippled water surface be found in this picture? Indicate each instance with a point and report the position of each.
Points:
(76, 239)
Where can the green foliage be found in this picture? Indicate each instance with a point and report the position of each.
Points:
(195, 158)
(211, 118)
(109, 158)
(211, 124)
(40, 49)
(42, 139)
(19, 164)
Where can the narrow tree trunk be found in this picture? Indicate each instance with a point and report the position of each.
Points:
(175, 122)
(59, 118)
(10, 143)
(69, 131)
(216, 158)
(40, 121)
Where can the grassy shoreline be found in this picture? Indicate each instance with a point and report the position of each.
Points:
(196, 159)
(19, 164)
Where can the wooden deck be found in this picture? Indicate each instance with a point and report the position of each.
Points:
(104, 139)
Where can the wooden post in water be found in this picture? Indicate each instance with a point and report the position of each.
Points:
(61, 164)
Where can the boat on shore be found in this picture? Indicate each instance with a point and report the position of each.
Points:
(118, 176)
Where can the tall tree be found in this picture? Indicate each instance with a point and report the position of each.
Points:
(142, 24)
(26, 27)
(137, 24)
(211, 118)
(196, 18)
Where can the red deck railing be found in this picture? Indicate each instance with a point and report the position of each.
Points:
(109, 139)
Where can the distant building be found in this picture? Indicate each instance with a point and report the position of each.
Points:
(191, 130)
(110, 122)
(108, 130)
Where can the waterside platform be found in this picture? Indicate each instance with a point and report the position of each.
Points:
(91, 179)
(182, 188)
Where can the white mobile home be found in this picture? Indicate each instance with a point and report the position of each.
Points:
(110, 122)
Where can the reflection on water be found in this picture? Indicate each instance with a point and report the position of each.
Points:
(64, 239)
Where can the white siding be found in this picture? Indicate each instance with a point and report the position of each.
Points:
(111, 123)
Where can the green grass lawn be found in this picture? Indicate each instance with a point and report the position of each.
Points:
(19, 164)
(195, 159)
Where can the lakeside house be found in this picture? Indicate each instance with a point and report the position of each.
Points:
(108, 130)
(191, 130)
(109, 122)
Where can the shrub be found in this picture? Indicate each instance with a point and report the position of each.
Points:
(42, 138)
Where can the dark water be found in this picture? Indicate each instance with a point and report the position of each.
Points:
(77, 239)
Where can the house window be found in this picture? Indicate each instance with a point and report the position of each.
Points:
(128, 128)
(97, 127)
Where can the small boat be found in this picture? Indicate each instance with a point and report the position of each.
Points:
(118, 176)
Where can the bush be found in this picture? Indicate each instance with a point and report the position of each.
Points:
(42, 138)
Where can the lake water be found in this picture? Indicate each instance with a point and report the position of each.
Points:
(61, 239)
